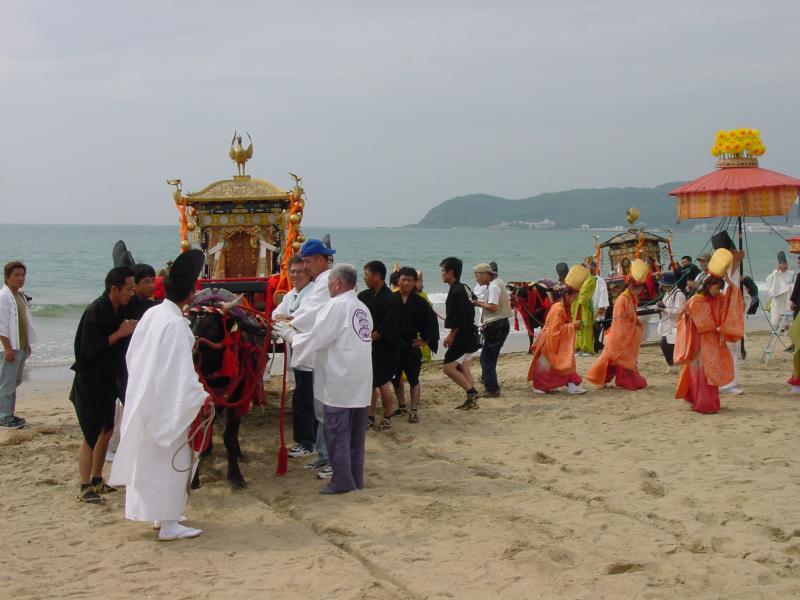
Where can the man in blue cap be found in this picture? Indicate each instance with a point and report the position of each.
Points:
(670, 305)
(317, 258)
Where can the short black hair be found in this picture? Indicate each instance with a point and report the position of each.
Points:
(687, 257)
(376, 267)
(116, 277)
(451, 263)
(294, 260)
(12, 266)
(408, 272)
(142, 270)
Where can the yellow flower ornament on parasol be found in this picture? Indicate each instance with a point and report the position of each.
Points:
(738, 188)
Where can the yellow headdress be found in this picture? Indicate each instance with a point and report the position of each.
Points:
(576, 276)
(720, 262)
(639, 270)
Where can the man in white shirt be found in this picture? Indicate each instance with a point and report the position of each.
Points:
(495, 313)
(339, 344)
(16, 334)
(599, 302)
(670, 305)
(304, 424)
(317, 259)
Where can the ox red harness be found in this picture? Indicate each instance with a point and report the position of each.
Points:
(250, 371)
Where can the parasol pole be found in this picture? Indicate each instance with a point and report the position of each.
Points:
(740, 227)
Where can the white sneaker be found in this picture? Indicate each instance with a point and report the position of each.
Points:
(299, 451)
(325, 472)
(796, 389)
(734, 391)
(575, 389)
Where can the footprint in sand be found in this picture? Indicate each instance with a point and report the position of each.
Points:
(515, 548)
(619, 568)
(543, 459)
(653, 489)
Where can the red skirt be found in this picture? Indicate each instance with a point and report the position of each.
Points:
(627, 379)
(546, 379)
(703, 396)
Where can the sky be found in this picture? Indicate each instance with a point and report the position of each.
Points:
(385, 108)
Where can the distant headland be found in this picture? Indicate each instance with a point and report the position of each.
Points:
(573, 209)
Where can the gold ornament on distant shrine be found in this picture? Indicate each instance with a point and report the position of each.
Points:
(239, 154)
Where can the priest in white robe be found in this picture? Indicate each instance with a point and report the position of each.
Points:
(164, 396)
(779, 288)
(339, 344)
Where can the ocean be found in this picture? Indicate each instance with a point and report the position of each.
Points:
(67, 263)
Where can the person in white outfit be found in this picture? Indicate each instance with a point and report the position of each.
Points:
(339, 344)
(779, 288)
(164, 396)
(669, 307)
(16, 334)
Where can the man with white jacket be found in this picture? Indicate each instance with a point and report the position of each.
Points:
(339, 344)
(317, 258)
(16, 335)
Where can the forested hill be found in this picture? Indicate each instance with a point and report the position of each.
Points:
(570, 209)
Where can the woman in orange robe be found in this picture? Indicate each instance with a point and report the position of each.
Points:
(553, 363)
(620, 357)
(711, 318)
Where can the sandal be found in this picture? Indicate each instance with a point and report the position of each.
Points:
(413, 417)
(103, 488)
(88, 495)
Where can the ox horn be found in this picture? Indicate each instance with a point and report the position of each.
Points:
(228, 306)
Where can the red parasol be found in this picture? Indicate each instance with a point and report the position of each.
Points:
(738, 188)
(736, 191)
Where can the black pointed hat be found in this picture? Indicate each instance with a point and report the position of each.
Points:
(122, 256)
(782, 258)
(184, 272)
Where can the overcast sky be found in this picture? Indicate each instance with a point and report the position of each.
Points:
(385, 108)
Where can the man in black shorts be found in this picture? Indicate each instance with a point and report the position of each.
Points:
(382, 304)
(462, 340)
(99, 371)
(418, 328)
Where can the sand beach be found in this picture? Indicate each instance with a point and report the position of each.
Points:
(608, 495)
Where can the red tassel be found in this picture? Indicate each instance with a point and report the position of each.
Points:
(230, 356)
(516, 320)
(283, 452)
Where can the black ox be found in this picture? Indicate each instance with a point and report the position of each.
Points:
(230, 357)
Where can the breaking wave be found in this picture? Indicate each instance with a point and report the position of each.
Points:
(57, 311)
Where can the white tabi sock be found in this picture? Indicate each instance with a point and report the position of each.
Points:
(172, 530)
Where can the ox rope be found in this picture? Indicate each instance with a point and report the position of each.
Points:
(205, 427)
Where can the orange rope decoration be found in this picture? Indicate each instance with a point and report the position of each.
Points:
(180, 206)
(639, 246)
(292, 232)
(672, 264)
